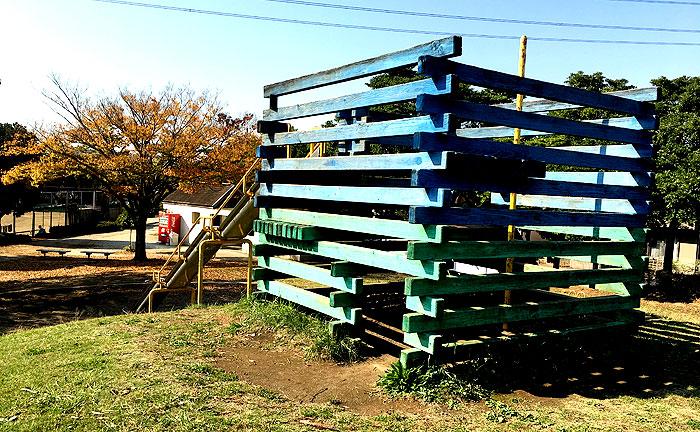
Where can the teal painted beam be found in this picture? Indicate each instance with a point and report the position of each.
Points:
(286, 229)
(310, 300)
(476, 316)
(516, 281)
(316, 274)
(388, 260)
(384, 227)
(612, 233)
(426, 342)
(426, 305)
(622, 261)
(431, 197)
(518, 249)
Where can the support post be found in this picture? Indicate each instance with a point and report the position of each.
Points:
(516, 140)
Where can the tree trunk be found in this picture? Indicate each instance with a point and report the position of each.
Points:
(140, 245)
(668, 250)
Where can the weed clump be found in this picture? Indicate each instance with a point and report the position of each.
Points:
(431, 384)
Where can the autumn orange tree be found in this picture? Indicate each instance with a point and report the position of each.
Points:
(140, 146)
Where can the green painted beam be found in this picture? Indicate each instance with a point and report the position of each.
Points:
(634, 262)
(310, 300)
(286, 229)
(309, 272)
(426, 305)
(388, 260)
(516, 281)
(345, 269)
(476, 316)
(376, 226)
(342, 299)
(426, 342)
(506, 249)
(612, 233)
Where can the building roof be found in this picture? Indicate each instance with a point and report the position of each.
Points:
(206, 196)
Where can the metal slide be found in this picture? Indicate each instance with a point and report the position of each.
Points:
(238, 224)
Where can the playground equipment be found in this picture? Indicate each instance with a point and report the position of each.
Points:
(393, 254)
(182, 267)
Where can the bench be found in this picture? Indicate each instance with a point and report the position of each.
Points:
(61, 252)
(105, 253)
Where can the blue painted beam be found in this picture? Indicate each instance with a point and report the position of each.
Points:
(641, 179)
(576, 203)
(372, 195)
(359, 131)
(447, 47)
(646, 94)
(480, 216)
(612, 233)
(433, 66)
(443, 85)
(380, 162)
(437, 179)
(484, 113)
(438, 142)
(648, 122)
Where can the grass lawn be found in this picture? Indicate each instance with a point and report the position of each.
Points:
(158, 372)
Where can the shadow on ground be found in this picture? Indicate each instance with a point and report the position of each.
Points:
(662, 359)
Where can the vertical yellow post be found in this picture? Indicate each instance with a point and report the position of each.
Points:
(516, 140)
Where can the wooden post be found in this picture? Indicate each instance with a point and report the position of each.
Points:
(516, 140)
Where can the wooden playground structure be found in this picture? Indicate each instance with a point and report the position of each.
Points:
(385, 248)
(380, 240)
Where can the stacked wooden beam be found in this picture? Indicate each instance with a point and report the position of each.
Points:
(367, 221)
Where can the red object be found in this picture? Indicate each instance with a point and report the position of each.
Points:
(168, 223)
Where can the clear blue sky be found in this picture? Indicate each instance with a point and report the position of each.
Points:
(106, 46)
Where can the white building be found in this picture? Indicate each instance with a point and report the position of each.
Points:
(203, 202)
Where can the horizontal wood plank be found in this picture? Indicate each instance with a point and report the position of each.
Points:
(641, 179)
(637, 123)
(646, 94)
(372, 195)
(639, 207)
(434, 66)
(436, 142)
(376, 226)
(515, 281)
(379, 162)
(310, 300)
(309, 272)
(388, 260)
(612, 233)
(519, 249)
(524, 185)
(516, 119)
(476, 316)
(360, 131)
(481, 216)
(447, 47)
(443, 85)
